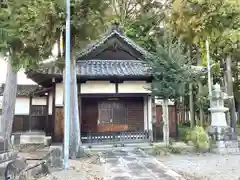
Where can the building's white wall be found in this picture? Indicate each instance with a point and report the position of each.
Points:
(59, 94)
(22, 106)
(96, 87)
(134, 87)
(39, 101)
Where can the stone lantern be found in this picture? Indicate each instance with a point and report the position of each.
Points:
(219, 130)
(217, 108)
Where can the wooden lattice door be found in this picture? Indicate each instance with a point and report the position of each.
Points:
(112, 116)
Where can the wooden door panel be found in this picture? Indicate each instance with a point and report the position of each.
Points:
(112, 116)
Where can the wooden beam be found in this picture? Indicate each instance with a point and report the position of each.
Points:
(53, 107)
(114, 95)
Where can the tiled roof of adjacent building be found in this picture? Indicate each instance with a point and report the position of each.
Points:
(22, 90)
(108, 68)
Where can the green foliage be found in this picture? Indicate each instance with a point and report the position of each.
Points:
(140, 24)
(31, 27)
(200, 19)
(199, 138)
(12, 38)
(159, 150)
(169, 66)
(183, 132)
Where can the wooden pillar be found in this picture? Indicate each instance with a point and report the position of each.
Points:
(145, 111)
(150, 125)
(80, 108)
(53, 107)
(191, 105)
(47, 112)
(176, 119)
(30, 114)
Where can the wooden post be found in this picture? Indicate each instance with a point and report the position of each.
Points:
(47, 112)
(80, 107)
(30, 114)
(53, 108)
(176, 119)
(191, 108)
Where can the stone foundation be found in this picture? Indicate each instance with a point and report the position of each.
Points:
(226, 140)
(219, 133)
(37, 138)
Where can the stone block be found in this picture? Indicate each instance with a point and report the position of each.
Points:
(54, 157)
(35, 138)
(32, 139)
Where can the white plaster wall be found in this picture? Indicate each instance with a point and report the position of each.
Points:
(22, 106)
(39, 101)
(59, 94)
(134, 87)
(95, 87)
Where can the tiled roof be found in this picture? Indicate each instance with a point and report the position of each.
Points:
(108, 68)
(108, 36)
(22, 90)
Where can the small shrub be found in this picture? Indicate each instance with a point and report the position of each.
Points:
(158, 150)
(175, 150)
(183, 133)
(199, 138)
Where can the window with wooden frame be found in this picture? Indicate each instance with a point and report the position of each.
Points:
(38, 110)
(112, 112)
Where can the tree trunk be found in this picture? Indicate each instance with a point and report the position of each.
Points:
(201, 112)
(75, 131)
(165, 122)
(200, 89)
(191, 108)
(9, 100)
(231, 101)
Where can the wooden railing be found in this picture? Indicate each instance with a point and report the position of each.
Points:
(115, 137)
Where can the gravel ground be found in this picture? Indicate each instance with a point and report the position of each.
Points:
(84, 169)
(205, 166)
